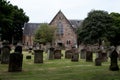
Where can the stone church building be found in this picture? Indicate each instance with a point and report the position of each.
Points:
(65, 34)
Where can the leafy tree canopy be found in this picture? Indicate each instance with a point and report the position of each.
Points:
(94, 27)
(114, 33)
(44, 34)
(12, 20)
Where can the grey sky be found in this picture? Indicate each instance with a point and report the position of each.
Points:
(45, 10)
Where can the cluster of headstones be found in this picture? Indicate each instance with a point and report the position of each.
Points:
(73, 54)
(102, 57)
(52, 54)
(56, 54)
(14, 60)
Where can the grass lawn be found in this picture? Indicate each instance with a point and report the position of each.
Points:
(62, 69)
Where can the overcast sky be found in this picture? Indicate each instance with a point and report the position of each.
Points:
(40, 11)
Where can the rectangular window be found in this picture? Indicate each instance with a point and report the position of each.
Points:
(60, 28)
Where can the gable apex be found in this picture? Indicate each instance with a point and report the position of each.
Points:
(59, 13)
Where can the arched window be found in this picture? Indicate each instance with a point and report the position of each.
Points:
(60, 28)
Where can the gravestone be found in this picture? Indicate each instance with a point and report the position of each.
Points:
(98, 62)
(113, 61)
(51, 53)
(38, 56)
(75, 55)
(89, 56)
(68, 54)
(5, 53)
(15, 62)
(57, 54)
(83, 54)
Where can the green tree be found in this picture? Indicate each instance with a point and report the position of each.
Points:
(19, 18)
(114, 32)
(12, 20)
(5, 18)
(44, 34)
(94, 28)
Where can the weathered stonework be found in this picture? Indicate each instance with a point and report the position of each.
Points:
(68, 31)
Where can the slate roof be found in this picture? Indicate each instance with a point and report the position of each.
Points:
(30, 28)
(76, 23)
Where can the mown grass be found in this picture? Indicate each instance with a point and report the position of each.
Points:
(62, 69)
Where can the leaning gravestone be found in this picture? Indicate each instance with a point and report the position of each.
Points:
(15, 62)
(5, 52)
(113, 59)
(57, 54)
(38, 56)
(51, 53)
(83, 54)
(89, 56)
(68, 54)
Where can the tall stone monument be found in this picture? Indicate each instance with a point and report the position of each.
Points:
(113, 61)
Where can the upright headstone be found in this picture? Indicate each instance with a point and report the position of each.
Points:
(57, 54)
(83, 54)
(89, 56)
(15, 62)
(68, 54)
(113, 61)
(51, 53)
(75, 55)
(98, 60)
(38, 56)
(5, 53)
